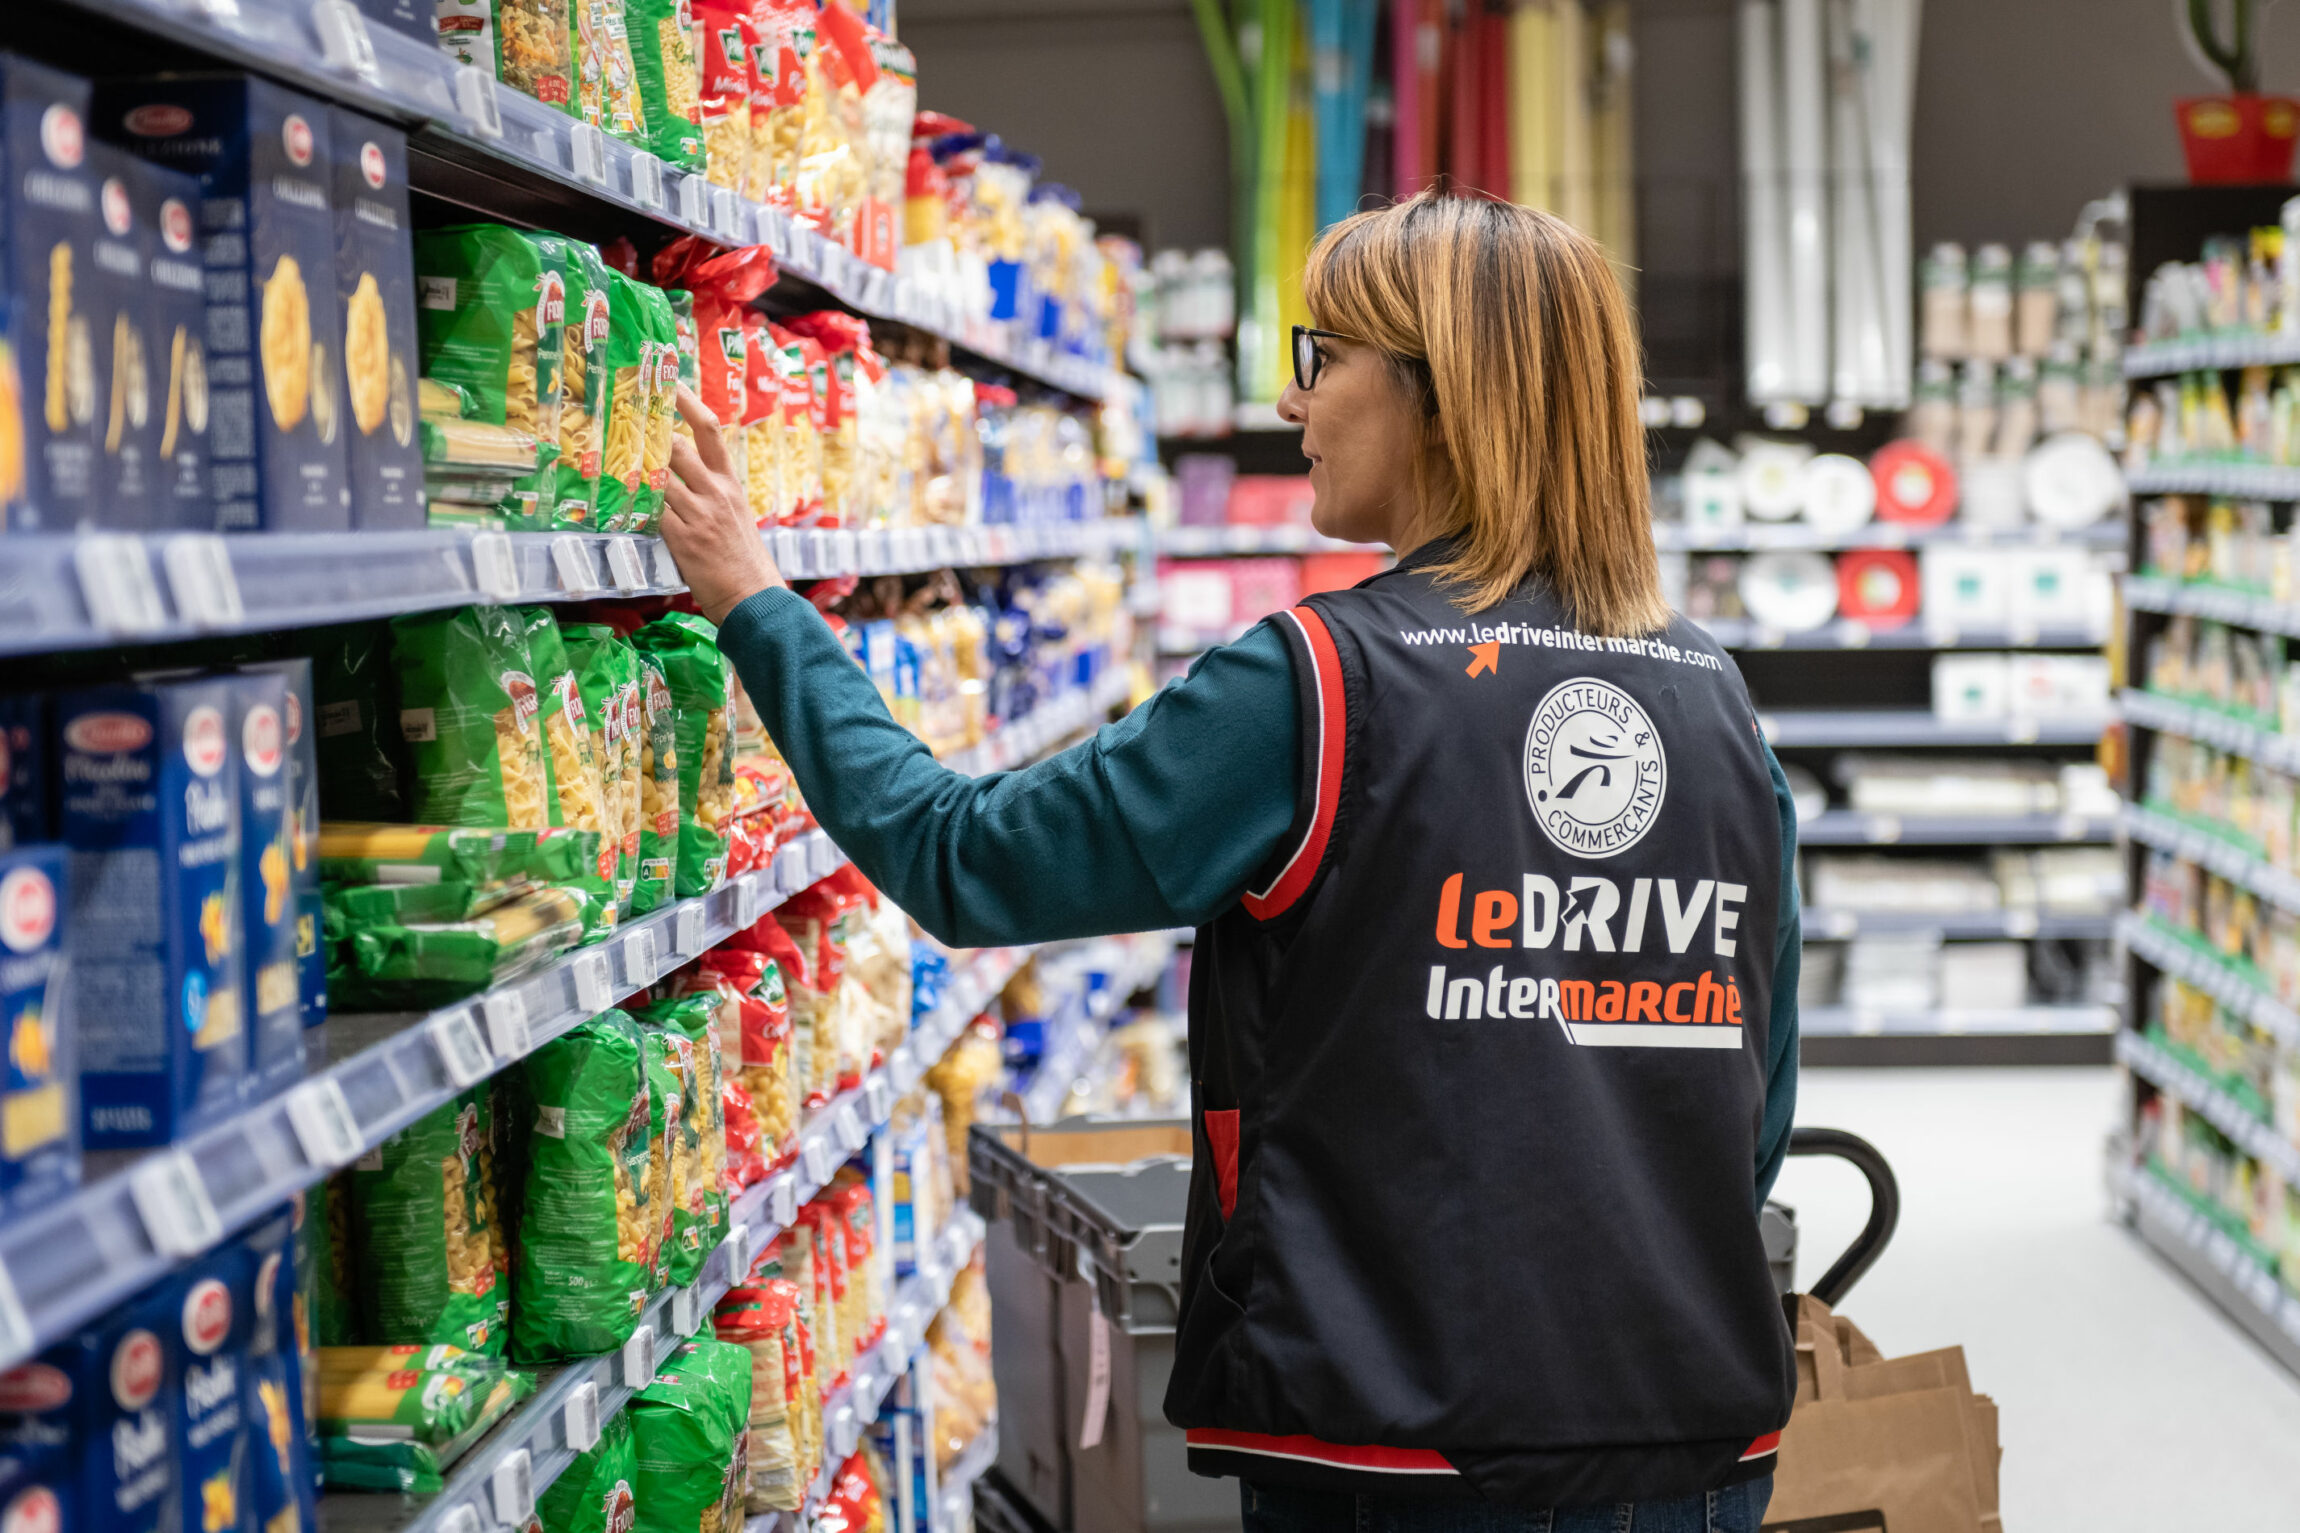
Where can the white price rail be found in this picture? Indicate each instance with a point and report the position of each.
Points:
(2215, 854)
(2248, 1291)
(2251, 1133)
(2150, 711)
(2159, 946)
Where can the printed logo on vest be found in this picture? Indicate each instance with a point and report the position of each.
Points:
(1594, 769)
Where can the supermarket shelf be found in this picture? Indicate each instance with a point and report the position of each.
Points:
(1049, 724)
(2154, 593)
(2252, 481)
(1938, 1022)
(1853, 827)
(1851, 633)
(2211, 1260)
(2214, 854)
(2155, 359)
(1758, 537)
(2020, 925)
(2250, 1133)
(2161, 947)
(480, 143)
(1212, 542)
(955, 1495)
(1791, 729)
(1076, 1029)
(69, 591)
(2214, 728)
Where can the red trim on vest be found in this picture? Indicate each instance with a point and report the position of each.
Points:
(1222, 1134)
(1326, 663)
(1769, 1443)
(1309, 1450)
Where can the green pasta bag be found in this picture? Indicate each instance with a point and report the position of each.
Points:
(687, 1428)
(470, 714)
(682, 305)
(427, 965)
(598, 1492)
(605, 668)
(423, 1211)
(491, 315)
(659, 813)
(673, 1054)
(687, 1023)
(667, 1086)
(670, 80)
(571, 767)
(585, 1256)
(329, 1261)
(490, 860)
(630, 391)
(662, 405)
(701, 691)
(582, 391)
(405, 1430)
(355, 697)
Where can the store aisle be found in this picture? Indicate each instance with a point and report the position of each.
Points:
(2128, 1401)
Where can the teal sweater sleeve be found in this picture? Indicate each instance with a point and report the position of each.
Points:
(1781, 1036)
(1156, 821)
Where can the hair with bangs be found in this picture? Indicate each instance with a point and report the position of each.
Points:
(1513, 330)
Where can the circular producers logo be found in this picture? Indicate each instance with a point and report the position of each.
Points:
(260, 740)
(27, 909)
(114, 199)
(176, 225)
(1594, 770)
(296, 139)
(204, 740)
(207, 1316)
(62, 138)
(136, 1369)
(371, 163)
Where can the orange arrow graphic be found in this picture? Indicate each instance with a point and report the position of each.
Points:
(1485, 657)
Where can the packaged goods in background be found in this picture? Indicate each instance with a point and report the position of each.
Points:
(606, 674)
(659, 786)
(94, 1407)
(325, 1269)
(405, 1430)
(668, 1080)
(425, 1213)
(630, 396)
(596, 1493)
(688, 1429)
(51, 218)
(117, 301)
(491, 310)
(26, 769)
(583, 383)
(574, 791)
(375, 282)
(585, 1249)
(470, 714)
(662, 405)
(176, 358)
(264, 879)
(303, 832)
(282, 1479)
(213, 1322)
(683, 1031)
(662, 39)
(700, 684)
(523, 43)
(334, 1361)
(723, 44)
(688, 356)
(421, 964)
(150, 801)
(492, 858)
(39, 1109)
(762, 1320)
(275, 328)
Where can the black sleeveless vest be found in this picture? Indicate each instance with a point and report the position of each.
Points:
(1479, 1067)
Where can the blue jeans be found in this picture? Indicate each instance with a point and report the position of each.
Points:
(1283, 1509)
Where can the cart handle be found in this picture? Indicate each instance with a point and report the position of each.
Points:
(1884, 1206)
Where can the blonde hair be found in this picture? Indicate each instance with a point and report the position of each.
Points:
(1511, 327)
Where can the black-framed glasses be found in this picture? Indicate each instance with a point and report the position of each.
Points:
(1307, 358)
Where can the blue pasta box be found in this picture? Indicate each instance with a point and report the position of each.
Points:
(375, 282)
(39, 1120)
(176, 298)
(117, 298)
(48, 207)
(25, 811)
(282, 1480)
(275, 328)
(258, 728)
(150, 810)
(303, 833)
(214, 1305)
(98, 1398)
(35, 1492)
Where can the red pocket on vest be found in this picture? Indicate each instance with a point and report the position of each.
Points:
(1222, 1134)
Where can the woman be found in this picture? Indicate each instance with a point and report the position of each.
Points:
(1492, 1008)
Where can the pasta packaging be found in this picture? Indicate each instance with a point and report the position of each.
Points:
(40, 1148)
(51, 218)
(587, 1226)
(492, 857)
(689, 376)
(118, 298)
(607, 675)
(597, 1492)
(425, 1216)
(375, 282)
(176, 362)
(284, 1479)
(723, 41)
(404, 1431)
(256, 729)
(689, 1427)
(630, 395)
(701, 688)
(583, 379)
(577, 797)
(440, 1357)
(301, 750)
(662, 403)
(471, 716)
(329, 1263)
(492, 305)
(626, 113)
(211, 1321)
(425, 964)
(685, 1027)
(275, 332)
(524, 43)
(762, 1319)
(662, 34)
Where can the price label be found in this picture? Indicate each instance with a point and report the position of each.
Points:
(495, 566)
(878, 1096)
(571, 556)
(694, 204)
(784, 1198)
(687, 929)
(903, 1067)
(16, 1337)
(475, 98)
(820, 1160)
(727, 215)
(201, 579)
(116, 583)
(594, 991)
(646, 180)
(686, 1311)
(625, 565)
(512, 1488)
(823, 855)
(844, 1433)
(833, 553)
(323, 1124)
(738, 1244)
(587, 153)
(639, 1358)
(461, 1050)
(579, 1422)
(852, 1135)
(508, 1032)
(173, 1202)
(639, 966)
(2020, 923)
(667, 568)
(343, 41)
(460, 1518)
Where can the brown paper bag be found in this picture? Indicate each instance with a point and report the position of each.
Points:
(1878, 1445)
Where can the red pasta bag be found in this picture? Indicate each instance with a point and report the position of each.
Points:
(723, 284)
(723, 39)
(746, 1152)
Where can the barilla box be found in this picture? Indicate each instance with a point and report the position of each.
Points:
(99, 1398)
(26, 812)
(257, 726)
(119, 316)
(150, 810)
(303, 834)
(177, 298)
(276, 416)
(375, 283)
(35, 1492)
(214, 1319)
(39, 1120)
(281, 1479)
(48, 212)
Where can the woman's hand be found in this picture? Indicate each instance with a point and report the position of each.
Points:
(707, 520)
